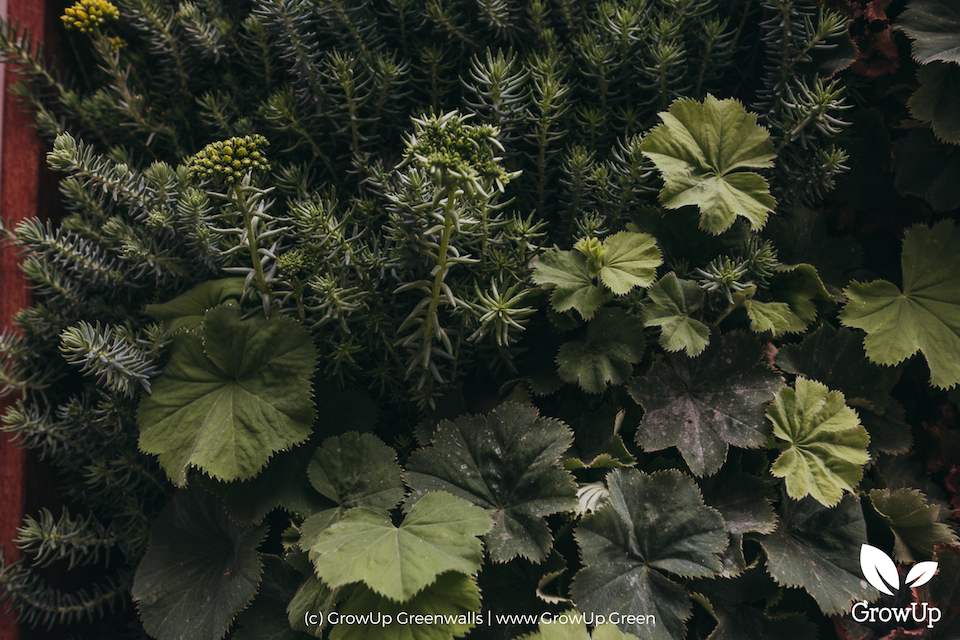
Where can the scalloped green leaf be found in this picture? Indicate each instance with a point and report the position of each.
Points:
(738, 607)
(629, 260)
(621, 262)
(357, 470)
(825, 444)
(507, 463)
(597, 442)
(744, 501)
(937, 100)
(701, 151)
(453, 597)
(800, 287)
(818, 549)
(934, 27)
(614, 343)
(186, 311)
(266, 618)
(928, 169)
(925, 316)
(836, 358)
(440, 534)
(225, 404)
(702, 405)
(200, 570)
(915, 523)
(574, 285)
(281, 484)
(775, 318)
(652, 526)
(673, 302)
(312, 596)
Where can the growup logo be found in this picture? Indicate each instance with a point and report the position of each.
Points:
(881, 572)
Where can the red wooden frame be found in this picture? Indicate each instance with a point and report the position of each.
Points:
(25, 191)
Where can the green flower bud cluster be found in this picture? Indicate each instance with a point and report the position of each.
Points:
(306, 258)
(229, 160)
(594, 250)
(458, 154)
(87, 15)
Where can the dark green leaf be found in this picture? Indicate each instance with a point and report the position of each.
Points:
(928, 169)
(507, 463)
(598, 443)
(743, 500)
(187, 311)
(818, 549)
(281, 484)
(314, 597)
(227, 403)
(934, 27)
(355, 470)
(653, 525)
(800, 235)
(836, 358)
(915, 523)
(199, 571)
(738, 607)
(614, 342)
(266, 618)
(937, 101)
(704, 404)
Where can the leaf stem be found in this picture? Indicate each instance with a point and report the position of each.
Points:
(441, 268)
(260, 282)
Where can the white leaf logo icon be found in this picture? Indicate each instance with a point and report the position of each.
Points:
(879, 569)
(921, 574)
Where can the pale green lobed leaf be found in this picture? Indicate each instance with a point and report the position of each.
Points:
(925, 317)
(439, 534)
(629, 260)
(701, 151)
(826, 445)
(673, 302)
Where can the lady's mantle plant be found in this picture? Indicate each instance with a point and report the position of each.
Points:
(460, 308)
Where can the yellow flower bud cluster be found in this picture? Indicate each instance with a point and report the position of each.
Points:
(116, 44)
(228, 160)
(87, 15)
